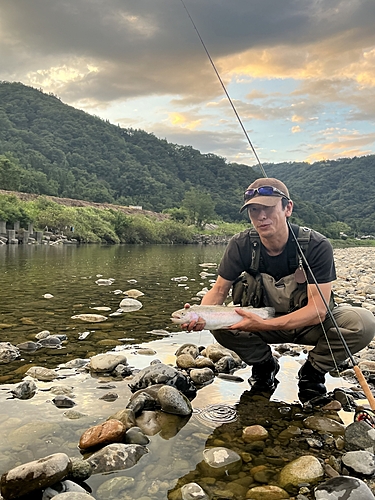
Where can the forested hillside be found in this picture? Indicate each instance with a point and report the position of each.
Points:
(345, 187)
(64, 152)
(48, 147)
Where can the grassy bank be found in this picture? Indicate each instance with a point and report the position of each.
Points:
(108, 224)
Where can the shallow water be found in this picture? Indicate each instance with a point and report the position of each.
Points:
(35, 428)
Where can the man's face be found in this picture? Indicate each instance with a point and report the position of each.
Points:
(270, 221)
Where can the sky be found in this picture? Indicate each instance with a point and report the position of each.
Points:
(300, 73)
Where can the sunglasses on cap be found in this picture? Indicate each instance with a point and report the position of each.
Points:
(263, 191)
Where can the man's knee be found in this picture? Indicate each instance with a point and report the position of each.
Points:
(357, 321)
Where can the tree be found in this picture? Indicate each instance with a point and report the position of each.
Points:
(199, 206)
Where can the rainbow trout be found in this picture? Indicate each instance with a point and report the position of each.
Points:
(217, 317)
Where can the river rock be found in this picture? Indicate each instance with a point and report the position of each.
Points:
(62, 487)
(226, 364)
(42, 374)
(343, 487)
(130, 305)
(110, 431)
(80, 469)
(8, 352)
(359, 436)
(127, 417)
(215, 352)
(360, 462)
(116, 456)
(63, 402)
(102, 363)
(24, 390)
(191, 349)
(185, 361)
(203, 362)
(268, 492)
(35, 475)
(90, 318)
(115, 487)
(134, 435)
(173, 401)
(201, 376)
(133, 293)
(220, 461)
(324, 424)
(192, 491)
(254, 433)
(305, 469)
(162, 374)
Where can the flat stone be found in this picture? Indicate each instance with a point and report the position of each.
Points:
(343, 487)
(110, 431)
(116, 456)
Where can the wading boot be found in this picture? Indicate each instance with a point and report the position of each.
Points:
(311, 382)
(263, 375)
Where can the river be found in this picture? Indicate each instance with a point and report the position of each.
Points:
(168, 276)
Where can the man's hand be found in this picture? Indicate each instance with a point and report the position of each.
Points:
(250, 322)
(196, 325)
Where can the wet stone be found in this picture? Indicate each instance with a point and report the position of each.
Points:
(324, 424)
(63, 402)
(115, 487)
(35, 475)
(201, 376)
(117, 456)
(173, 401)
(220, 461)
(80, 469)
(62, 487)
(343, 487)
(8, 352)
(360, 462)
(359, 436)
(134, 435)
(254, 433)
(305, 469)
(192, 491)
(111, 431)
(42, 374)
(185, 361)
(102, 363)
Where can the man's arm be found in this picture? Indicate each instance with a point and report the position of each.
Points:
(312, 314)
(218, 293)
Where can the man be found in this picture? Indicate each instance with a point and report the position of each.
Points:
(303, 320)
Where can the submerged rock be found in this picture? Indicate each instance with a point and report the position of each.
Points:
(117, 456)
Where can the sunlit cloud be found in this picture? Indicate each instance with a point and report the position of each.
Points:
(296, 129)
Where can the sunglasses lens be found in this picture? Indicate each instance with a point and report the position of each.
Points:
(266, 191)
(249, 194)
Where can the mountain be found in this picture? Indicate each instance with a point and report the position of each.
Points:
(343, 187)
(48, 147)
(58, 150)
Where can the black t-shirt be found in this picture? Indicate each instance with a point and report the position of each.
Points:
(319, 255)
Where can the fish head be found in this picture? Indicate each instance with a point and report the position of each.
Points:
(182, 316)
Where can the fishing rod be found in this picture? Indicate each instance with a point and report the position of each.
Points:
(358, 372)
